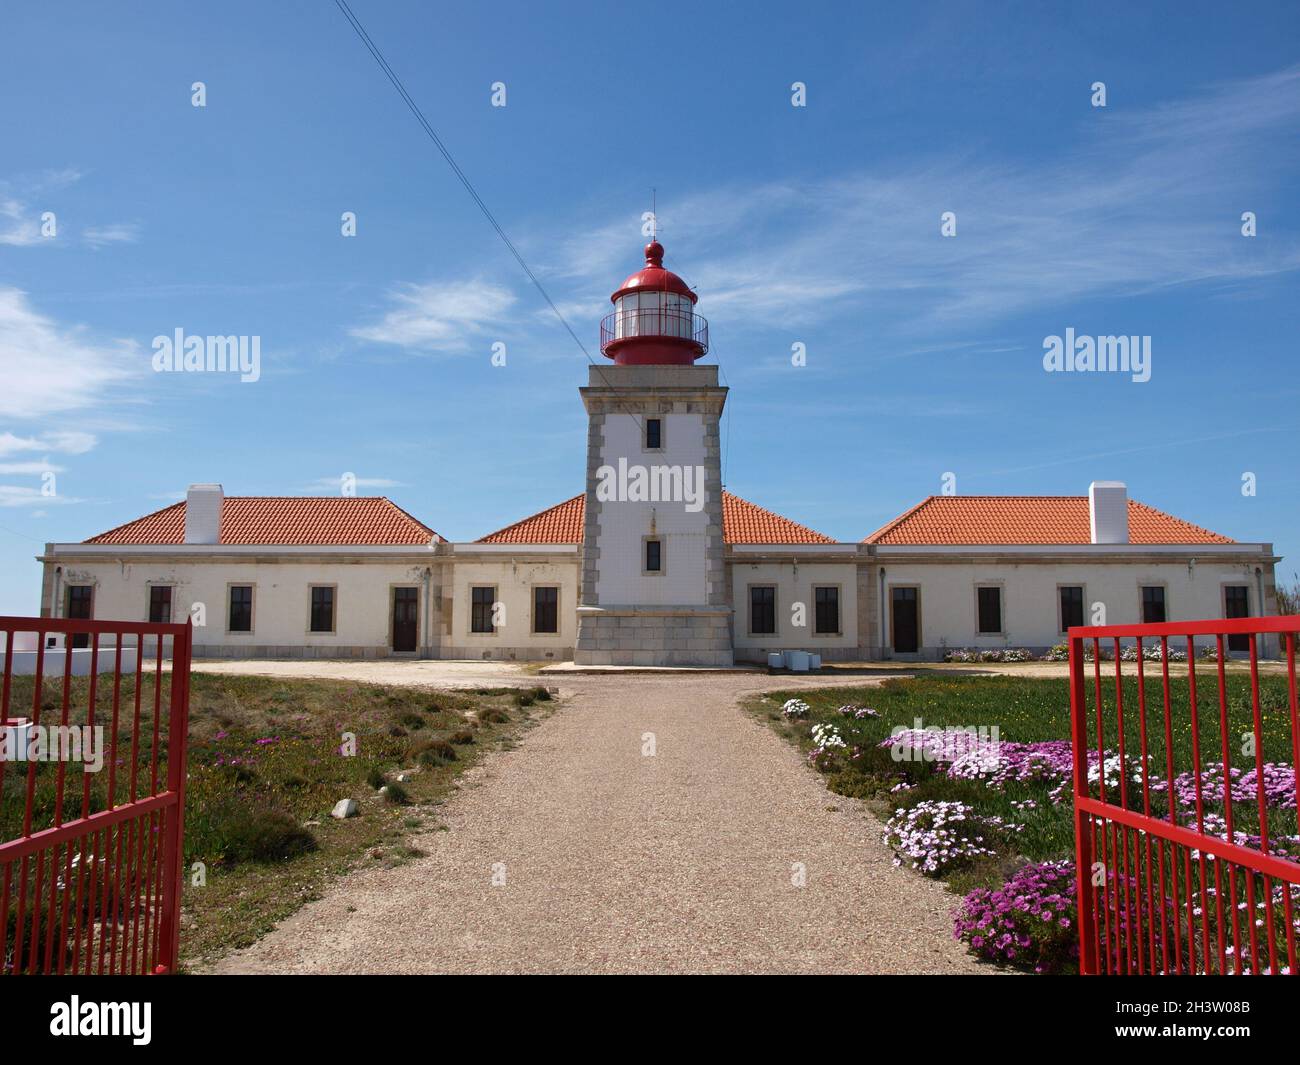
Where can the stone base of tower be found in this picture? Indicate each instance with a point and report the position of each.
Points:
(654, 636)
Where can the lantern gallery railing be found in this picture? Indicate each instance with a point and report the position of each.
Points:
(663, 322)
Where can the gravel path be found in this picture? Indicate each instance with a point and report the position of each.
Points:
(618, 862)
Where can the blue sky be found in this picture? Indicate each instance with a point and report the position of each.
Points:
(817, 225)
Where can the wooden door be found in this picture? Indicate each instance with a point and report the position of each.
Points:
(905, 621)
(1236, 604)
(406, 615)
(78, 607)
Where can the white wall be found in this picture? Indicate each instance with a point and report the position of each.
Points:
(514, 580)
(1031, 603)
(794, 584)
(623, 525)
(281, 600)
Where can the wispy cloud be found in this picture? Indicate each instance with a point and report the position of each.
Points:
(50, 368)
(118, 233)
(1146, 200)
(20, 221)
(19, 227)
(440, 316)
(66, 441)
(12, 495)
(334, 484)
(31, 466)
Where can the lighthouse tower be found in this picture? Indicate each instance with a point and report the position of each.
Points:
(654, 586)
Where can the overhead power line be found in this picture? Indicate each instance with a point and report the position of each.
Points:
(455, 167)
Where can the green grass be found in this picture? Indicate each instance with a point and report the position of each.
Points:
(268, 759)
(1028, 710)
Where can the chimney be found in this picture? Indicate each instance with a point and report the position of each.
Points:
(203, 514)
(1108, 511)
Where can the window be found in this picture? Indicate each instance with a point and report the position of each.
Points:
(1071, 606)
(826, 610)
(654, 434)
(241, 608)
(546, 609)
(762, 609)
(654, 556)
(989, 601)
(480, 614)
(322, 608)
(79, 601)
(160, 604)
(1153, 604)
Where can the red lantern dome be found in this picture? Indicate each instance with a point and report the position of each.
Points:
(654, 321)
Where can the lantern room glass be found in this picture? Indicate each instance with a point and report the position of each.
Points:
(654, 314)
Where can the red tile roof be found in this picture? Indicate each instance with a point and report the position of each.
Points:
(286, 521)
(1028, 520)
(742, 523)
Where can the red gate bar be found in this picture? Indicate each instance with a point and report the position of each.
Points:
(90, 875)
(1200, 894)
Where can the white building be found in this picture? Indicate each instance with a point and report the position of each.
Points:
(654, 563)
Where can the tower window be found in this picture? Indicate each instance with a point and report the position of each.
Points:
(654, 556)
(654, 434)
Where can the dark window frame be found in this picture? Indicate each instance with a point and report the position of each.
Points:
(654, 434)
(985, 601)
(481, 621)
(321, 598)
(1153, 597)
(1066, 609)
(245, 608)
(160, 606)
(765, 611)
(829, 603)
(656, 555)
(546, 612)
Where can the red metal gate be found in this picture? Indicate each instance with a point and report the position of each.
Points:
(90, 868)
(1187, 847)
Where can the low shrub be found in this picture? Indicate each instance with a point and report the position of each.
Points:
(938, 836)
(795, 708)
(1028, 922)
(435, 753)
(396, 795)
(461, 737)
(994, 654)
(493, 715)
(240, 828)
